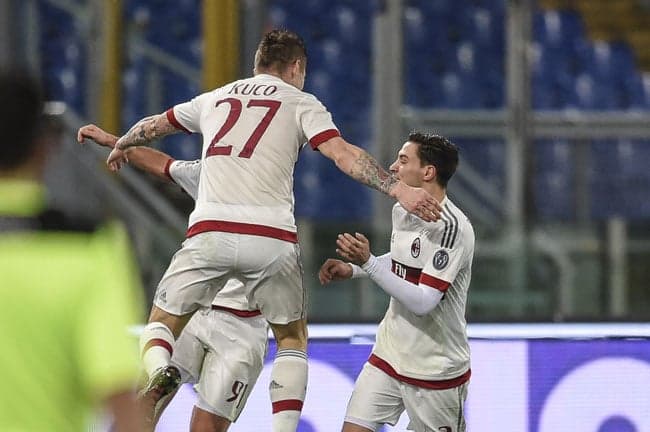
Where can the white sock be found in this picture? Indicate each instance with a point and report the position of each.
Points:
(156, 346)
(288, 387)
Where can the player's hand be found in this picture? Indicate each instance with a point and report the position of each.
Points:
(353, 248)
(418, 201)
(97, 134)
(116, 159)
(334, 269)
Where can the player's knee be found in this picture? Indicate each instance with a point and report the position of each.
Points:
(203, 421)
(175, 323)
(292, 335)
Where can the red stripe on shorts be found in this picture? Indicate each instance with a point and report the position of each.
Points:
(238, 312)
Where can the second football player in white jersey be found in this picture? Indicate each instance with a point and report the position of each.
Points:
(421, 361)
(222, 348)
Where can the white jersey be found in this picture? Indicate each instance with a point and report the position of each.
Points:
(233, 295)
(438, 254)
(186, 174)
(253, 130)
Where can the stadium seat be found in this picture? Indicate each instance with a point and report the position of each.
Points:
(460, 92)
(487, 157)
(554, 182)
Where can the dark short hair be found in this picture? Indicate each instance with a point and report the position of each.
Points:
(278, 49)
(437, 151)
(21, 106)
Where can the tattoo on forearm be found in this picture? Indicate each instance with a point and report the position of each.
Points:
(367, 170)
(146, 130)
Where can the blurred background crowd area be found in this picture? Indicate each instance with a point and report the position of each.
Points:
(548, 101)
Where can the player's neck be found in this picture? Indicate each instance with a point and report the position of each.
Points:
(437, 191)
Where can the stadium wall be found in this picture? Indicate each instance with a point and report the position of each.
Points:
(525, 378)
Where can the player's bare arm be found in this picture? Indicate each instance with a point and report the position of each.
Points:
(142, 133)
(97, 134)
(361, 166)
(333, 270)
(146, 130)
(144, 158)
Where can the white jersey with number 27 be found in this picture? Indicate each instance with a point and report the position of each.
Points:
(252, 130)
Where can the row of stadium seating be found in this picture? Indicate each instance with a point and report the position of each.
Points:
(454, 58)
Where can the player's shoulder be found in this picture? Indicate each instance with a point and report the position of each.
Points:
(453, 228)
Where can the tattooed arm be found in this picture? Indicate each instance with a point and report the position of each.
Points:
(142, 133)
(365, 169)
(146, 130)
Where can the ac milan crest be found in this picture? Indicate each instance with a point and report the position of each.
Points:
(415, 248)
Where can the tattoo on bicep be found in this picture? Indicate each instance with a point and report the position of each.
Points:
(367, 170)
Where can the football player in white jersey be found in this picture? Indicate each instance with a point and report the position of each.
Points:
(222, 348)
(420, 361)
(243, 224)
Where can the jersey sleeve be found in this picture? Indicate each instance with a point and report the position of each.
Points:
(111, 306)
(187, 116)
(442, 267)
(316, 121)
(185, 174)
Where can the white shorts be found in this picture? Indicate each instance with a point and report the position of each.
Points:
(269, 268)
(380, 399)
(223, 354)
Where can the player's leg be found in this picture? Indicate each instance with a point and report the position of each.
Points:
(288, 384)
(351, 427)
(274, 284)
(158, 338)
(205, 421)
(375, 401)
(188, 358)
(236, 347)
(436, 409)
(194, 276)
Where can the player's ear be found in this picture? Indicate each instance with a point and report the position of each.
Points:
(296, 67)
(429, 173)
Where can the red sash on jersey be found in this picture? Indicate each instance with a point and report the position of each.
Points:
(411, 274)
(433, 384)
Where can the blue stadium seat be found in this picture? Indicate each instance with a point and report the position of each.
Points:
(620, 178)
(558, 29)
(589, 93)
(485, 156)
(554, 183)
(350, 27)
(460, 92)
(182, 146)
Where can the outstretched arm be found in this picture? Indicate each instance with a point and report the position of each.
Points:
(142, 133)
(146, 130)
(361, 166)
(418, 298)
(143, 158)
